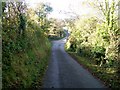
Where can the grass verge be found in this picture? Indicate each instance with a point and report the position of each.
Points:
(26, 68)
(106, 74)
(56, 37)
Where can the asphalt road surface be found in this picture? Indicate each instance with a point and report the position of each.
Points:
(64, 72)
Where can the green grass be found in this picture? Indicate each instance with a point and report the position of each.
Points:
(27, 68)
(56, 37)
(106, 74)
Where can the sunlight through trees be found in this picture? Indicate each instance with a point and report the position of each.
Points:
(27, 33)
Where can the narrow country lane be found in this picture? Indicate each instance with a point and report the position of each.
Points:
(64, 72)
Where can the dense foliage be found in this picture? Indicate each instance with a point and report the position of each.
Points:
(97, 38)
(56, 30)
(25, 46)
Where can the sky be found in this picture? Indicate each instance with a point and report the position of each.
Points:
(62, 8)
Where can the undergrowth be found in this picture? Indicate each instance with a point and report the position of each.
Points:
(108, 75)
(27, 67)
